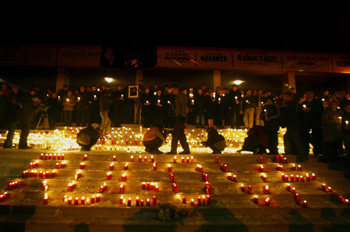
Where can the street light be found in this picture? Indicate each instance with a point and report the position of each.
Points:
(237, 82)
(109, 79)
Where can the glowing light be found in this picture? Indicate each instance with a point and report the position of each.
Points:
(237, 82)
(109, 79)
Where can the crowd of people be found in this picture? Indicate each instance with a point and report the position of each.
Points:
(310, 119)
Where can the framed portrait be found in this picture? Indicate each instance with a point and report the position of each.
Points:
(133, 91)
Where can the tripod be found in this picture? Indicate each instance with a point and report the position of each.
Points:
(46, 120)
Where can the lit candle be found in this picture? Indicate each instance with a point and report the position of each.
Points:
(82, 165)
(114, 158)
(267, 201)
(109, 175)
(341, 199)
(256, 199)
(129, 201)
(82, 200)
(313, 176)
(217, 159)
(145, 158)
(93, 199)
(121, 200)
(69, 201)
(208, 199)
(140, 158)
(174, 188)
(225, 168)
(111, 166)
(293, 190)
(157, 188)
(148, 202)
(126, 166)
(121, 188)
(305, 204)
(124, 177)
(307, 177)
(169, 167)
(175, 160)
(292, 178)
(182, 159)
(192, 202)
(131, 158)
(171, 177)
(267, 189)
(229, 176)
(85, 157)
(46, 199)
(288, 187)
(199, 201)
(148, 186)
(299, 167)
(261, 159)
(234, 178)
(286, 178)
(199, 168)
(154, 166)
(264, 177)
(137, 201)
(297, 198)
(154, 200)
(142, 203)
(242, 187)
(192, 159)
(324, 187)
(143, 186)
(184, 200)
(330, 189)
(262, 168)
(152, 159)
(249, 189)
(76, 201)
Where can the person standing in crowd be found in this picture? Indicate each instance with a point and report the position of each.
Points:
(146, 100)
(61, 94)
(129, 104)
(11, 110)
(105, 106)
(331, 122)
(259, 101)
(248, 106)
(81, 106)
(25, 119)
(158, 111)
(53, 110)
(3, 102)
(291, 119)
(118, 106)
(137, 102)
(169, 115)
(312, 109)
(211, 108)
(94, 106)
(68, 107)
(181, 111)
(235, 107)
(191, 102)
(199, 108)
(346, 131)
(270, 115)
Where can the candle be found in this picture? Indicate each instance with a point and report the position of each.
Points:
(145, 158)
(301, 178)
(297, 178)
(297, 198)
(182, 159)
(225, 168)
(57, 166)
(293, 190)
(148, 186)
(98, 198)
(208, 199)
(76, 201)
(288, 187)
(313, 176)
(148, 203)
(111, 166)
(341, 199)
(69, 201)
(205, 177)
(199, 168)
(285, 160)
(132, 158)
(277, 158)
(169, 167)
(192, 159)
(299, 167)
(305, 204)
(85, 157)
(45, 199)
(347, 202)
(171, 177)
(152, 159)
(141, 203)
(121, 200)
(154, 166)
(109, 175)
(137, 201)
(184, 200)
(249, 189)
(192, 202)
(261, 159)
(126, 166)
(114, 158)
(307, 177)
(324, 188)
(140, 158)
(264, 177)
(124, 177)
(286, 178)
(175, 160)
(229, 176)
(129, 201)
(234, 178)
(217, 159)
(174, 188)
(154, 200)
(242, 187)
(266, 189)
(156, 188)
(143, 185)
(292, 178)
(82, 200)
(199, 201)
(93, 199)
(267, 201)
(330, 189)
(262, 168)
(121, 188)
(256, 199)
(41, 156)
(82, 165)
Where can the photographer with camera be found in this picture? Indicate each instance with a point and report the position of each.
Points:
(154, 138)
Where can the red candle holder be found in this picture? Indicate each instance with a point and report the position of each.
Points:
(140, 158)
(341, 199)
(109, 175)
(126, 166)
(169, 167)
(330, 189)
(299, 167)
(217, 159)
(208, 199)
(324, 187)
(305, 204)
(121, 188)
(172, 177)
(154, 166)
(199, 201)
(145, 158)
(132, 158)
(286, 178)
(121, 200)
(278, 159)
(152, 159)
(82, 165)
(184, 200)
(129, 202)
(98, 198)
(261, 159)
(154, 200)
(313, 176)
(262, 168)
(85, 157)
(148, 202)
(175, 160)
(288, 187)
(192, 202)
(267, 201)
(266, 189)
(256, 199)
(249, 189)
(182, 160)
(242, 188)
(143, 186)
(45, 199)
(124, 177)
(156, 188)
(293, 190)
(174, 188)
(292, 178)
(137, 201)
(297, 198)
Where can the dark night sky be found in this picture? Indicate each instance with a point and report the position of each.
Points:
(287, 25)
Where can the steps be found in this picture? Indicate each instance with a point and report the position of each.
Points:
(230, 208)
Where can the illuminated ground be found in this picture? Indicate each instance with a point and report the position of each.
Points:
(229, 209)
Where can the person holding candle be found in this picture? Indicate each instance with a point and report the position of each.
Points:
(235, 106)
(215, 141)
(146, 113)
(118, 102)
(68, 103)
(248, 107)
(270, 116)
(331, 132)
(81, 106)
(158, 109)
(181, 111)
(94, 101)
(154, 138)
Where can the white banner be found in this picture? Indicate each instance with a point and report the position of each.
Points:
(214, 59)
(257, 60)
(341, 63)
(176, 57)
(79, 56)
(306, 62)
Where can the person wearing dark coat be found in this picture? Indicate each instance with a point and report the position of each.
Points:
(146, 112)
(199, 108)
(105, 107)
(118, 106)
(53, 110)
(25, 119)
(291, 119)
(181, 111)
(270, 116)
(94, 106)
(157, 108)
(235, 98)
(312, 109)
(331, 132)
(248, 107)
(169, 114)
(81, 106)
(211, 109)
(346, 131)
(88, 137)
(215, 141)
